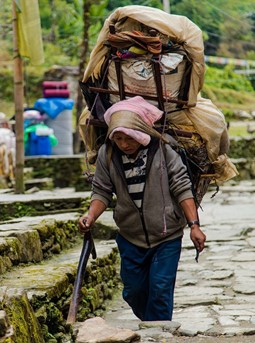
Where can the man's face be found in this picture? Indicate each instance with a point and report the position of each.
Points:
(126, 143)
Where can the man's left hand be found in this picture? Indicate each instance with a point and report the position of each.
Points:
(198, 237)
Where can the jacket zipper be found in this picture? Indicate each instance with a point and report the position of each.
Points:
(149, 161)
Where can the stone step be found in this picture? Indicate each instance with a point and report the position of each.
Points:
(35, 299)
(36, 184)
(41, 202)
(33, 239)
(39, 183)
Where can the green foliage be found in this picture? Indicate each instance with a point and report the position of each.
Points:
(227, 78)
(6, 49)
(62, 24)
(229, 100)
(97, 16)
(228, 90)
(5, 19)
(228, 24)
(113, 4)
(97, 10)
(54, 54)
(62, 27)
(16, 210)
(6, 90)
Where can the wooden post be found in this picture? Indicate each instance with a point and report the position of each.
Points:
(18, 100)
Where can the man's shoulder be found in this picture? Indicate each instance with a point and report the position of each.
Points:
(103, 150)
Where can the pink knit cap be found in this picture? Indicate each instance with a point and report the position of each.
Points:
(147, 112)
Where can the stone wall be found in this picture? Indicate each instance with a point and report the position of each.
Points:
(242, 153)
(66, 171)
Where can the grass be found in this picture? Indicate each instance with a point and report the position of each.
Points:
(237, 131)
(239, 128)
(230, 99)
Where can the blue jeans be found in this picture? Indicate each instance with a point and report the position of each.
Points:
(149, 277)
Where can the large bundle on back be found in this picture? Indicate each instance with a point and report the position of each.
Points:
(147, 52)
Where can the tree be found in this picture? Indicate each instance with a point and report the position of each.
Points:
(226, 24)
(113, 4)
(93, 17)
(237, 33)
(62, 25)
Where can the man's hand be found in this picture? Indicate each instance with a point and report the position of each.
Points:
(85, 223)
(198, 237)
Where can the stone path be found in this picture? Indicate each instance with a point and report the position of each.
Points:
(216, 296)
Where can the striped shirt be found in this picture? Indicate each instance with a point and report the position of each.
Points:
(135, 173)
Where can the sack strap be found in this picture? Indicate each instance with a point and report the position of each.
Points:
(117, 63)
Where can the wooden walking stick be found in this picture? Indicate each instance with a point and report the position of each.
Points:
(87, 249)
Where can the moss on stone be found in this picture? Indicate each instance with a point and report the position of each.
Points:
(242, 148)
(31, 248)
(65, 171)
(46, 228)
(5, 264)
(21, 317)
(16, 210)
(41, 314)
(54, 318)
(40, 207)
(51, 305)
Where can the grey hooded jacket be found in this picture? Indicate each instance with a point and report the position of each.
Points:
(167, 184)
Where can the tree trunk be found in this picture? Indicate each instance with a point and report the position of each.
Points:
(166, 6)
(53, 22)
(84, 53)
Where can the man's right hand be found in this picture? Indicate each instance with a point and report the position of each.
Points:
(85, 223)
